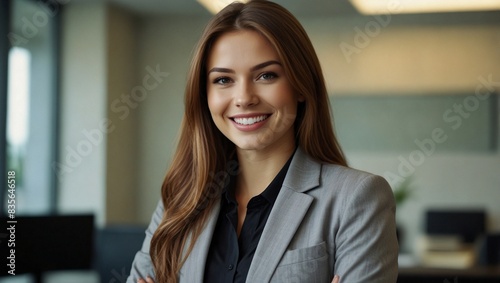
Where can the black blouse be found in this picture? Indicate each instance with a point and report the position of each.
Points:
(229, 258)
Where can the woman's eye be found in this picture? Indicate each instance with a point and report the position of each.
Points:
(268, 76)
(222, 80)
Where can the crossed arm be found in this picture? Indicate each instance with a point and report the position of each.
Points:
(336, 279)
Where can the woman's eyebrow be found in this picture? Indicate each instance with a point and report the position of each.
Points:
(221, 70)
(263, 65)
(254, 68)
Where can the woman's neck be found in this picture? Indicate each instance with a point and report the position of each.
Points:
(257, 169)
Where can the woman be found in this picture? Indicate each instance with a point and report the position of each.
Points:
(259, 190)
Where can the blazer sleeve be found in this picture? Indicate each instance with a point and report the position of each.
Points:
(142, 265)
(366, 243)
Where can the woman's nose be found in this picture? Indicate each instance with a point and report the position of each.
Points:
(245, 96)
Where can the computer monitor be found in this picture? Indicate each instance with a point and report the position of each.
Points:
(47, 243)
(469, 224)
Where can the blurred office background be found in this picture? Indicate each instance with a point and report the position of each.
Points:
(92, 101)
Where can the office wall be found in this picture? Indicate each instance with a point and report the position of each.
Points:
(166, 42)
(82, 168)
(402, 58)
(408, 55)
(122, 142)
(98, 155)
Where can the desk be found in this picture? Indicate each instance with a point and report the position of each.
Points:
(441, 275)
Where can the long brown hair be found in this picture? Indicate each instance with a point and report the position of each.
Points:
(191, 185)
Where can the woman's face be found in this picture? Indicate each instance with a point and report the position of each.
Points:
(250, 98)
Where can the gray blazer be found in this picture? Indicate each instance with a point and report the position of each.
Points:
(327, 220)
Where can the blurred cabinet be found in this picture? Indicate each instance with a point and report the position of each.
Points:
(438, 275)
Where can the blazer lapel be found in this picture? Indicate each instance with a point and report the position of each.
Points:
(288, 211)
(193, 269)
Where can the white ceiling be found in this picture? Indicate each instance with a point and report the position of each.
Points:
(192, 7)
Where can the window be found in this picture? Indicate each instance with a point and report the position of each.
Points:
(17, 110)
(31, 99)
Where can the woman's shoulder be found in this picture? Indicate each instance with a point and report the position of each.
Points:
(350, 179)
(346, 173)
(335, 176)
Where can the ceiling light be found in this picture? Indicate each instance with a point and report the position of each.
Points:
(372, 7)
(214, 6)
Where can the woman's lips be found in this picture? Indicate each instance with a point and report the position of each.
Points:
(249, 123)
(250, 120)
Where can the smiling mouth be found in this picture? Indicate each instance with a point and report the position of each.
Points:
(250, 120)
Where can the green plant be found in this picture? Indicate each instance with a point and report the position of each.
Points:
(403, 192)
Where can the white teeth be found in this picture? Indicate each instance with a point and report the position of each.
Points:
(251, 120)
